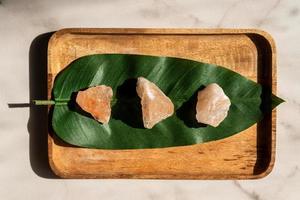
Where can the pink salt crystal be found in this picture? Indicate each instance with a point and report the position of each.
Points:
(156, 106)
(96, 101)
(212, 105)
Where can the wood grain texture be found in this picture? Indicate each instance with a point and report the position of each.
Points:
(247, 155)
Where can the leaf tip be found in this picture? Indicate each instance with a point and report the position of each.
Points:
(276, 101)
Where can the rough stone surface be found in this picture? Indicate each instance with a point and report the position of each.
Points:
(96, 101)
(212, 105)
(156, 106)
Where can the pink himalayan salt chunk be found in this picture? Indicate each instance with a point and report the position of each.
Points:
(96, 101)
(156, 106)
(212, 105)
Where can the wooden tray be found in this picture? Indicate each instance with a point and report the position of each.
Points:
(247, 155)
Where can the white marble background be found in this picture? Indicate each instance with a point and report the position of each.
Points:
(22, 20)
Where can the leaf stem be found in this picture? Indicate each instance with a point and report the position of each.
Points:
(49, 102)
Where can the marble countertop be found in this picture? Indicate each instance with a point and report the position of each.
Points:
(21, 177)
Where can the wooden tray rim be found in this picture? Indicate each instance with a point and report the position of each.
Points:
(173, 31)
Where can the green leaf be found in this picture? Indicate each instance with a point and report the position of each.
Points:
(179, 79)
(275, 101)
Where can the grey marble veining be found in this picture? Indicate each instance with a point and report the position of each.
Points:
(22, 20)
